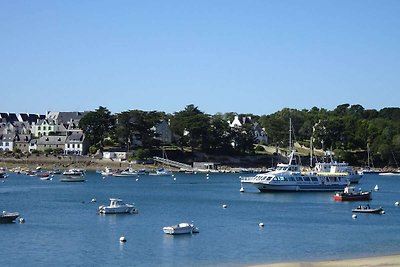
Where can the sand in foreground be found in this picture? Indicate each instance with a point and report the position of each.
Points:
(363, 262)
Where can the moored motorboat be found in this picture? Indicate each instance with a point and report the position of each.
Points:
(42, 174)
(74, 172)
(8, 217)
(55, 171)
(117, 206)
(162, 172)
(126, 173)
(108, 172)
(351, 194)
(72, 179)
(181, 228)
(368, 209)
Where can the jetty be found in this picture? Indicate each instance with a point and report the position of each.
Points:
(172, 163)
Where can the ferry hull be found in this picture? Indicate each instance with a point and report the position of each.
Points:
(298, 188)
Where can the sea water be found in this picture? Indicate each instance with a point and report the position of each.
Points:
(62, 227)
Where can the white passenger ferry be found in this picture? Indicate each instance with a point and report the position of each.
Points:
(289, 177)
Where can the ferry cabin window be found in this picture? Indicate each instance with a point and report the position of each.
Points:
(314, 179)
(299, 179)
(292, 169)
(292, 179)
(307, 179)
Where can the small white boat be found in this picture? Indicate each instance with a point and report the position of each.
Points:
(108, 172)
(127, 173)
(74, 172)
(117, 206)
(180, 228)
(162, 172)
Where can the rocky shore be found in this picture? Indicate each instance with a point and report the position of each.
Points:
(383, 261)
(65, 162)
(226, 163)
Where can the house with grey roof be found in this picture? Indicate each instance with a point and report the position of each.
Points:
(163, 132)
(52, 141)
(8, 117)
(66, 117)
(76, 144)
(44, 128)
(30, 118)
(22, 141)
(260, 134)
(7, 142)
(7, 128)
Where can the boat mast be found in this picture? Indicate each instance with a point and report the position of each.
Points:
(290, 134)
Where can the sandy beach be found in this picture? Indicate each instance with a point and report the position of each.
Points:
(393, 260)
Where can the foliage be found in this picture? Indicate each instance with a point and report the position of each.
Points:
(96, 125)
(142, 154)
(92, 150)
(191, 125)
(137, 124)
(347, 130)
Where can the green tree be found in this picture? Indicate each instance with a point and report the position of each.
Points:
(97, 125)
(192, 126)
(219, 134)
(137, 123)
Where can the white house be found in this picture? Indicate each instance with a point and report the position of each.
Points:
(7, 142)
(76, 144)
(116, 154)
(44, 127)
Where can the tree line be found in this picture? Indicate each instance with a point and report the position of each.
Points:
(347, 130)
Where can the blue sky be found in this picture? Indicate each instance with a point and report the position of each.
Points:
(255, 56)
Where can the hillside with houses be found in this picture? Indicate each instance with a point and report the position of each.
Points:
(59, 133)
(192, 135)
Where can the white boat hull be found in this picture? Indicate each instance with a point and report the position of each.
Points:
(119, 210)
(180, 229)
(298, 188)
(117, 206)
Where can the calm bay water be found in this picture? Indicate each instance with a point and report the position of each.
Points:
(63, 228)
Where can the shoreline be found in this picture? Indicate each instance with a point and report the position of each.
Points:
(376, 261)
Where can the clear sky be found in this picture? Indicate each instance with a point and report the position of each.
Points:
(248, 56)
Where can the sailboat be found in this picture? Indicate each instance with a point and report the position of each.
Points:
(162, 171)
(370, 165)
(395, 173)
